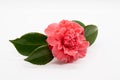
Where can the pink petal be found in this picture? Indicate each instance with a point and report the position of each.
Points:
(51, 29)
(59, 54)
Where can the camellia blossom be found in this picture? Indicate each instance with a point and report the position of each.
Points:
(66, 40)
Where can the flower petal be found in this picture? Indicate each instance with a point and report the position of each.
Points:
(52, 41)
(59, 54)
(51, 29)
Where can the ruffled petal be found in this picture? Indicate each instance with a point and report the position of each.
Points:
(59, 54)
(52, 41)
(51, 29)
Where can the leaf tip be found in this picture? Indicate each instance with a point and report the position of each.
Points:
(11, 41)
(26, 59)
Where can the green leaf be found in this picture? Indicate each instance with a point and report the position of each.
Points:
(91, 32)
(28, 42)
(80, 23)
(40, 56)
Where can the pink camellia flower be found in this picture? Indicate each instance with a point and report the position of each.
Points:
(66, 40)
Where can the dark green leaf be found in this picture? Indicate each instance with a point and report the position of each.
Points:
(80, 23)
(28, 42)
(40, 56)
(91, 32)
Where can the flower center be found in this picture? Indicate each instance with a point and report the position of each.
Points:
(70, 39)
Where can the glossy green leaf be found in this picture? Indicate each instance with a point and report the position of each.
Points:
(40, 56)
(91, 32)
(28, 42)
(80, 23)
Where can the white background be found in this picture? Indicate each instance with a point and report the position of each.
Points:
(103, 58)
